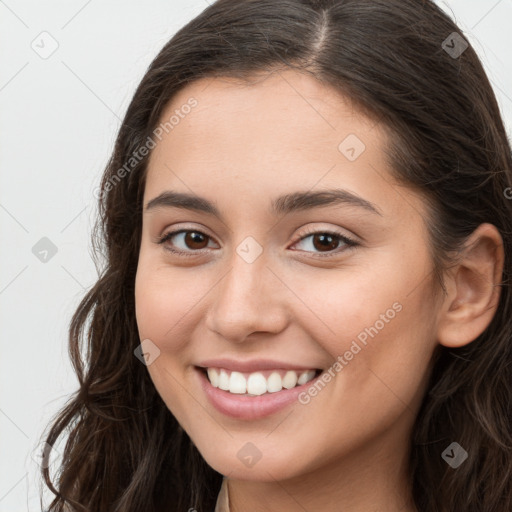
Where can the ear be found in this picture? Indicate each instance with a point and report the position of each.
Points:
(473, 287)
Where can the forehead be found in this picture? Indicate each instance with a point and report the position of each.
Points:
(284, 131)
(274, 108)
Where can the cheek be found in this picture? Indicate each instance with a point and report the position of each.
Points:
(163, 304)
(381, 343)
(378, 328)
(349, 305)
(155, 305)
(165, 301)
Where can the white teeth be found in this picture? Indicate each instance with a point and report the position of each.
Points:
(305, 377)
(237, 383)
(289, 380)
(224, 380)
(274, 383)
(214, 377)
(256, 383)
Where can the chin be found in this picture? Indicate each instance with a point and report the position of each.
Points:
(243, 460)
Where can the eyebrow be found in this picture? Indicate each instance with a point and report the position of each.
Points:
(288, 203)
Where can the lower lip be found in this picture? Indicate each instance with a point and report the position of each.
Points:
(250, 407)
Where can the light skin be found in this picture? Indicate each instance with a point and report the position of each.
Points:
(241, 147)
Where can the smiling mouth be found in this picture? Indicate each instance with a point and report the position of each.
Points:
(258, 383)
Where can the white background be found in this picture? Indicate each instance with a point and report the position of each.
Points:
(59, 118)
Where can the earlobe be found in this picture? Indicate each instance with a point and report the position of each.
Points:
(473, 288)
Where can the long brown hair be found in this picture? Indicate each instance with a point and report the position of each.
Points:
(395, 60)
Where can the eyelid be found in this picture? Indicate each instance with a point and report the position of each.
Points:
(175, 230)
(333, 231)
(346, 239)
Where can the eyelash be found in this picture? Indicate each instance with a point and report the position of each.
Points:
(350, 243)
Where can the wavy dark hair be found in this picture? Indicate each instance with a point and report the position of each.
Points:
(125, 451)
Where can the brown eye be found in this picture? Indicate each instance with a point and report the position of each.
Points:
(195, 240)
(326, 243)
(185, 241)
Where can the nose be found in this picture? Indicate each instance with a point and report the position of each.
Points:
(248, 299)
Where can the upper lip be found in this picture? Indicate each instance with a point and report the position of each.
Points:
(253, 365)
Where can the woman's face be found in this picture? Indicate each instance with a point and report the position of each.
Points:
(281, 173)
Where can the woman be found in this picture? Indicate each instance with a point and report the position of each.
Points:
(305, 303)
